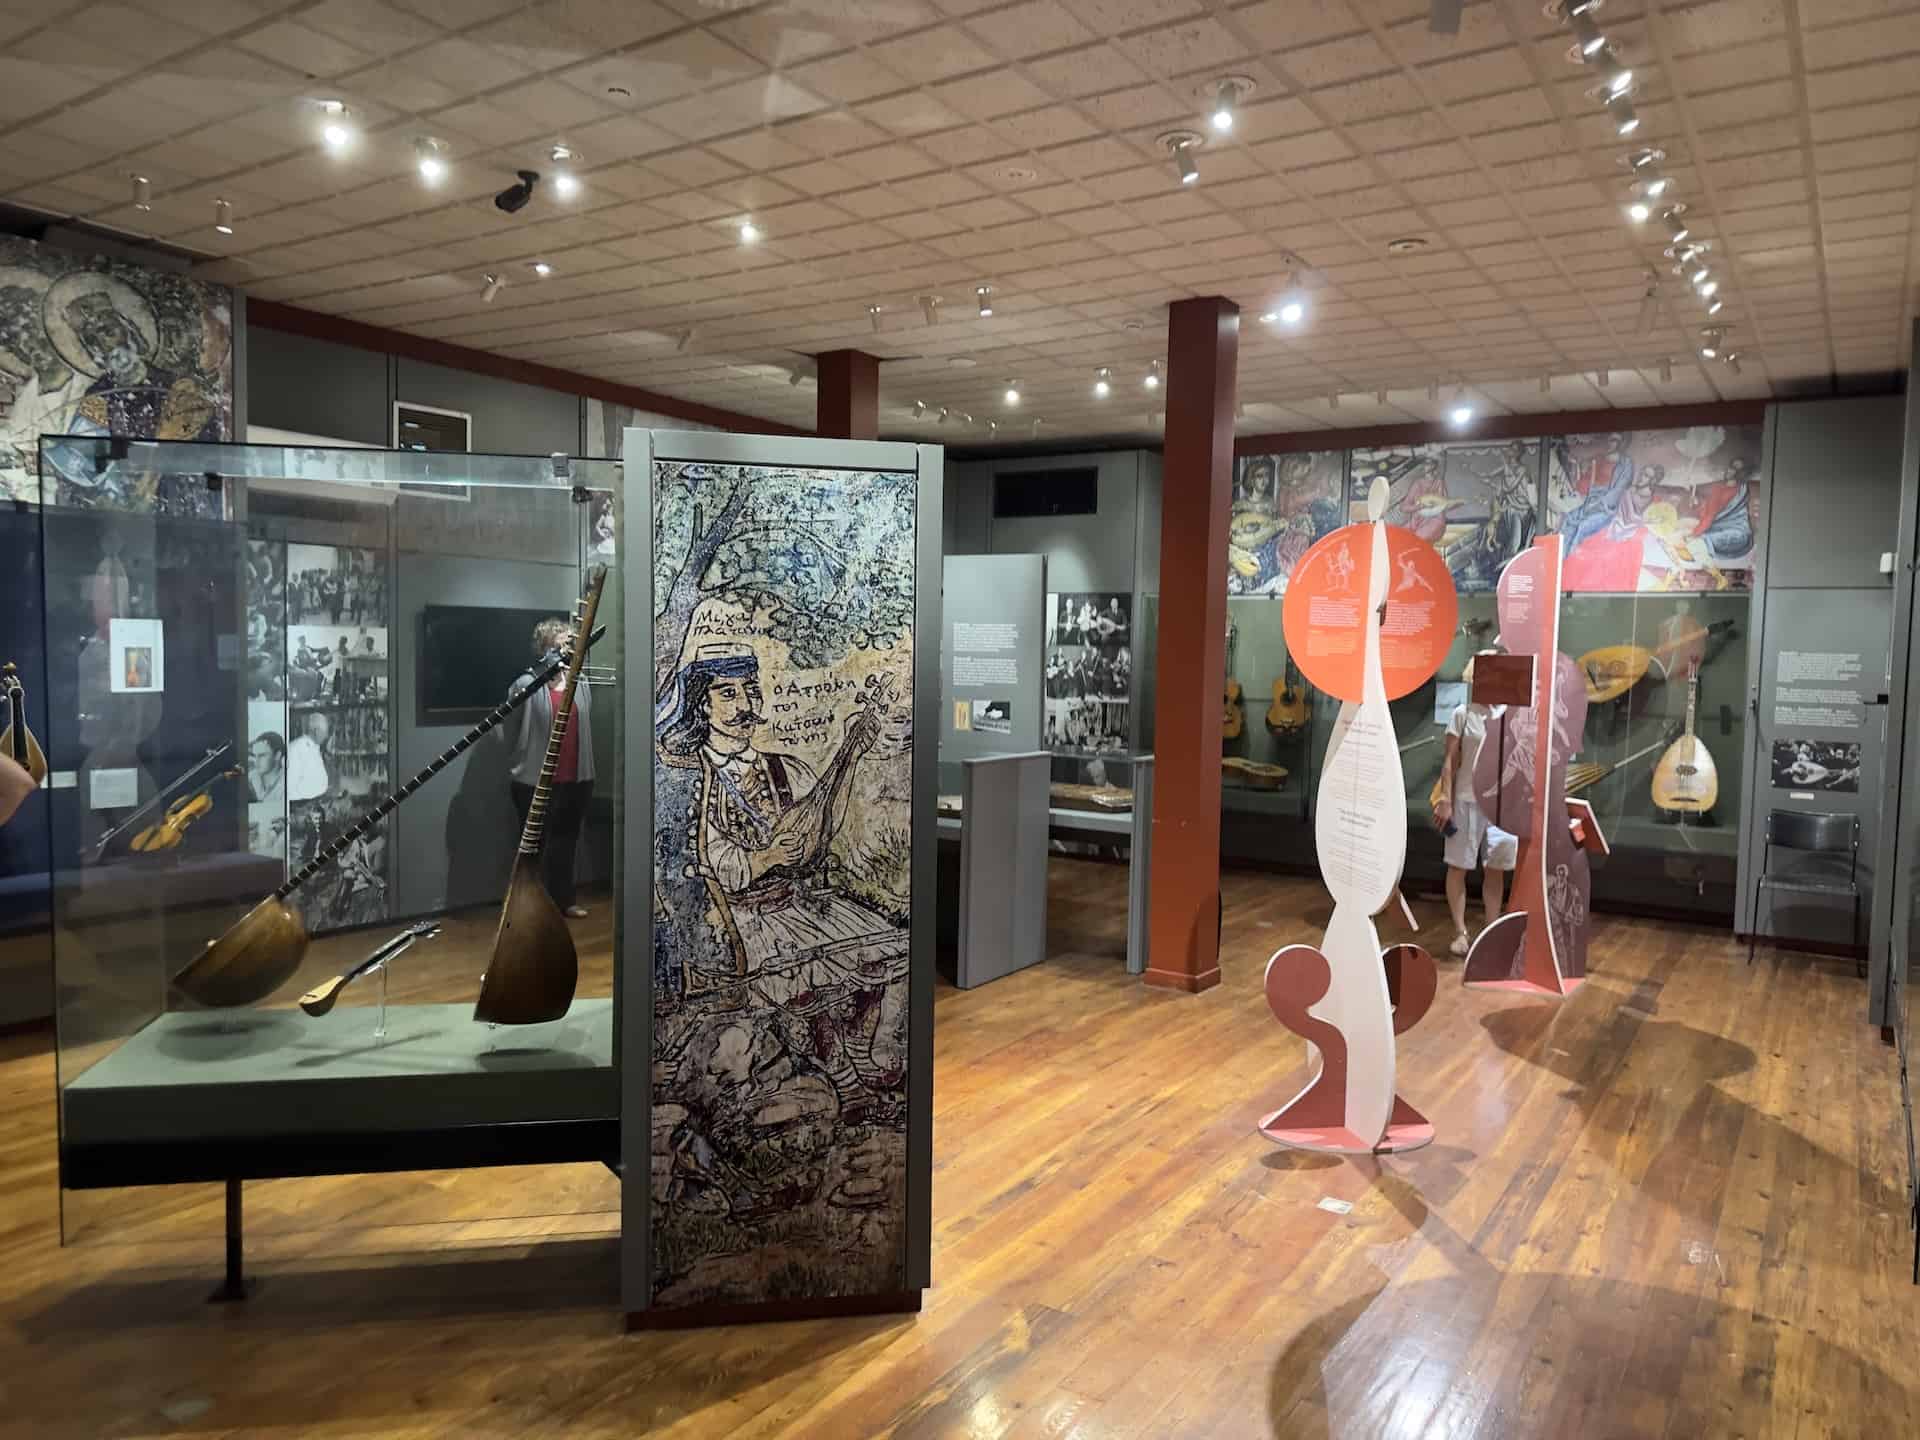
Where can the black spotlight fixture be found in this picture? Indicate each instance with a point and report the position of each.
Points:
(515, 197)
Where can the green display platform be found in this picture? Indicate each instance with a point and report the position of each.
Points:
(205, 1075)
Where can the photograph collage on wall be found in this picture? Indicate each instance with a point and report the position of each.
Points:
(1281, 505)
(1089, 674)
(782, 772)
(319, 748)
(1474, 503)
(1656, 510)
(91, 346)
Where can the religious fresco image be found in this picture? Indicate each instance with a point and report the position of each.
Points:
(783, 683)
(1651, 510)
(1474, 503)
(1281, 505)
(91, 346)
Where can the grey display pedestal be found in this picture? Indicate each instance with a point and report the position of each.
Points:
(1003, 865)
(1140, 865)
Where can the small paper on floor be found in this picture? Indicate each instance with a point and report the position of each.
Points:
(1338, 1207)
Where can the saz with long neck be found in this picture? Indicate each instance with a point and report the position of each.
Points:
(534, 968)
(262, 949)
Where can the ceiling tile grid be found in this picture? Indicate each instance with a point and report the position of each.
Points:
(901, 156)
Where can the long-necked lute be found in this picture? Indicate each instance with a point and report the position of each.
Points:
(16, 741)
(261, 950)
(534, 968)
(320, 999)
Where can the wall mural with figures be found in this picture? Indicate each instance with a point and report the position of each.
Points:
(94, 346)
(319, 745)
(1474, 503)
(1652, 510)
(783, 675)
(1281, 505)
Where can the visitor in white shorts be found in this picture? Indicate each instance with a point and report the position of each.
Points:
(1475, 841)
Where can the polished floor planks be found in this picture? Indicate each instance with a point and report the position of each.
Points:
(1672, 1206)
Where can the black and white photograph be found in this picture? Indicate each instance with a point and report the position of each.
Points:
(993, 717)
(1078, 672)
(337, 664)
(266, 658)
(1830, 765)
(336, 770)
(335, 585)
(1098, 620)
(266, 771)
(1086, 727)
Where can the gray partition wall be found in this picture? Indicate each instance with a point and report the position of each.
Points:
(1003, 866)
(1818, 668)
(992, 650)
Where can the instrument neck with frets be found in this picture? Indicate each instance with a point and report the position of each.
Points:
(17, 742)
(535, 827)
(393, 802)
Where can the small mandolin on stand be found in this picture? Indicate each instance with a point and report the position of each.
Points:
(260, 951)
(16, 741)
(534, 968)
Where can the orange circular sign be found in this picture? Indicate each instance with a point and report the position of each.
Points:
(1325, 612)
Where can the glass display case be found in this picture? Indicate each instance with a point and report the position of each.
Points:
(271, 678)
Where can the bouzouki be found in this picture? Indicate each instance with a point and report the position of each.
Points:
(16, 741)
(534, 968)
(1234, 720)
(1287, 715)
(321, 999)
(1685, 781)
(260, 951)
(1588, 773)
(1613, 670)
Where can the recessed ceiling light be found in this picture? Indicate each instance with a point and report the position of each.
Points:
(1408, 245)
(1461, 416)
(749, 232)
(542, 269)
(961, 362)
(1152, 378)
(1102, 382)
(1013, 392)
(1639, 212)
(430, 158)
(490, 289)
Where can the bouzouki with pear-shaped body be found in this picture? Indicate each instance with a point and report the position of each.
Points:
(534, 968)
(1685, 781)
(16, 741)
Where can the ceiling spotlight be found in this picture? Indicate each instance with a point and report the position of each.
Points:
(1666, 371)
(1625, 121)
(1184, 163)
(993, 428)
(1644, 157)
(542, 269)
(919, 409)
(1712, 337)
(1733, 361)
(966, 418)
(1601, 377)
(1292, 313)
(873, 315)
(1657, 187)
(984, 294)
(1619, 77)
(565, 185)
(1013, 392)
(944, 414)
(1587, 33)
(930, 309)
(795, 374)
(142, 191)
(1709, 289)
(490, 289)
(1676, 227)
(1709, 352)
(1152, 378)
(1034, 429)
(683, 339)
(1639, 212)
(1716, 307)
(1223, 100)
(430, 158)
(1183, 145)
(336, 125)
(223, 216)
(1461, 415)
(1102, 382)
(748, 232)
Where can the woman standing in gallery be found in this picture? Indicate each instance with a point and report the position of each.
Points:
(1470, 837)
(526, 732)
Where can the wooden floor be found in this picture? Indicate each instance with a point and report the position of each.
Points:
(1672, 1206)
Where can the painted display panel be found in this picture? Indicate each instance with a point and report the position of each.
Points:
(1474, 503)
(93, 346)
(783, 675)
(1654, 510)
(1281, 505)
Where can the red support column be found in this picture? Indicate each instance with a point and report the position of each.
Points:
(849, 400)
(1183, 914)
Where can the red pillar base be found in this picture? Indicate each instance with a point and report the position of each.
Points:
(1182, 980)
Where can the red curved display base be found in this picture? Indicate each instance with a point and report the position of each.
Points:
(1527, 987)
(1407, 1130)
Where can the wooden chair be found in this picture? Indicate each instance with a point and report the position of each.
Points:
(1819, 833)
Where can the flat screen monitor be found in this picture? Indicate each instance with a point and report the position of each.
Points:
(468, 656)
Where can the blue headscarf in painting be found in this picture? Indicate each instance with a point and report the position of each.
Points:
(680, 719)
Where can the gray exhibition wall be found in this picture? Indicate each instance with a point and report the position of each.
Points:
(1818, 671)
(315, 387)
(992, 648)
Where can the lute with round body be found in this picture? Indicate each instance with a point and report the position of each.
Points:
(16, 741)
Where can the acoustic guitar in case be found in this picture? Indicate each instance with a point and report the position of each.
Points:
(1685, 781)
(1287, 715)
